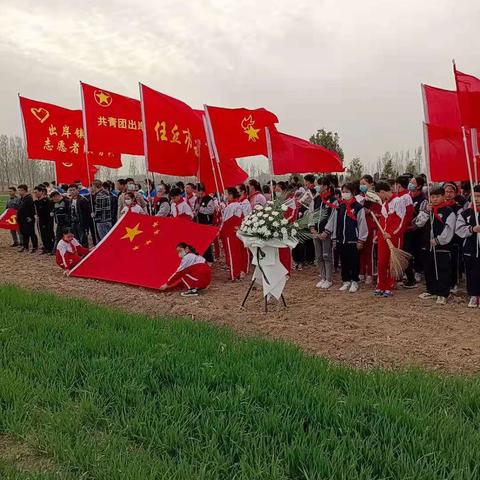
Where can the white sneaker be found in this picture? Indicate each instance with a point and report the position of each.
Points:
(361, 277)
(418, 277)
(368, 280)
(344, 287)
(327, 284)
(320, 284)
(473, 303)
(353, 287)
(441, 301)
(425, 296)
(454, 290)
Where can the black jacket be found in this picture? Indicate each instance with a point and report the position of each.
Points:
(44, 208)
(26, 210)
(62, 213)
(80, 214)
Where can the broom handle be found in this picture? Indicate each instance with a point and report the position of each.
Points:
(389, 242)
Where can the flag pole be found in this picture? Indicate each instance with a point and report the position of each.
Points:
(467, 156)
(214, 146)
(210, 153)
(270, 158)
(145, 144)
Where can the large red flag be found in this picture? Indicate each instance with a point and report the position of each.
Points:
(173, 134)
(113, 122)
(446, 153)
(294, 155)
(56, 133)
(74, 171)
(468, 89)
(146, 241)
(240, 132)
(8, 219)
(231, 173)
(441, 107)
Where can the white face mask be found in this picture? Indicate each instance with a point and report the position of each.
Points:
(346, 196)
(182, 253)
(128, 201)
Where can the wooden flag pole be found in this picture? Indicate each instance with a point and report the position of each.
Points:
(145, 149)
(211, 135)
(270, 158)
(210, 154)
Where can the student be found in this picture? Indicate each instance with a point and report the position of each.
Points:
(232, 245)
(244, 201)
(130, 186)
(283, 194)
(69, 251)
(267, 193)
(190, 196)
(79, 214)
(26, 219)
(441, 221)
(205, 214)
(179, 206)
(131, 204)
(255, 194)
(14, 202)
(102, 209)
(323, 203)
(366, 255)
(413, 234)
(193, 272)
(467, 229)
(44, 210)
(392, 219)
(161, 204)
(348, 226)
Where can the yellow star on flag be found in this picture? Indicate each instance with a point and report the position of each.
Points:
(155, 225)
(148, 242)
(252, 133)
(131, 233)
(103, 98)
(136, 248)
(156, 232)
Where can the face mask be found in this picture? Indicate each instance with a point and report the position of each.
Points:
(363, 188)
(128, 202)
(347, 196)
(182, 253)
(411, 187)
(317, 188)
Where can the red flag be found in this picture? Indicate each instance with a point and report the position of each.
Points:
(173, 132)
(8, 219)
(208, 173)
(147, 241)
(71, 172)
(446, 153)
(56, 133)
(468, 89)
(441, 107)
(113, 122)
(240, 132)
(294, 155)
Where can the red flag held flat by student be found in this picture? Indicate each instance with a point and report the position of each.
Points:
(113, 122)
(8, 219)
(294, 155)
(468, 89)
(173, 132)
(146, 241)
(56, 133)
(240, 132)
(446, 153)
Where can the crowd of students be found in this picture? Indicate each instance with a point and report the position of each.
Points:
(435, 224)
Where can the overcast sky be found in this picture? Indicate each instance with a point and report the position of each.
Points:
(352, 66)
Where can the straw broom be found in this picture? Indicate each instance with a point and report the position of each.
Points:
(399, 259)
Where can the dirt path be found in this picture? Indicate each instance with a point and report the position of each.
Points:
(353, 328)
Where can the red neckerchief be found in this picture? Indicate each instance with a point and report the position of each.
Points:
(348, 204)
(449, 203)
(252, 195)
(235, 200)
(325, 197)
(242, 197)
(435, 210)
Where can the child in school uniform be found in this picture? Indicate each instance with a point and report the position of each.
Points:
(438, 263)
(69, 251)
(467, 229)
(179, 206)
(348, 227)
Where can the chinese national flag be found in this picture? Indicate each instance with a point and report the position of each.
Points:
(294, 155)
(8, 219)
(240, 132)
(173, 132)
(446, 153)
(56, 133)
(113, 122)
(468, 89)
(147, 241)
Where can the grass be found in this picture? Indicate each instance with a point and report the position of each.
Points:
(108, 395)
(3, 202)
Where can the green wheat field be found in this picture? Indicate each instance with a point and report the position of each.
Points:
(108, 395)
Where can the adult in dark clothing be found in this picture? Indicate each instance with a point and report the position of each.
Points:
(61, 213)
(204, 214)
(44, 209)
(79, 214)
(14, 202)
(26, 219)
(102, 213)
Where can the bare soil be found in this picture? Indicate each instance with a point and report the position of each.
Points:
(357, 329)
